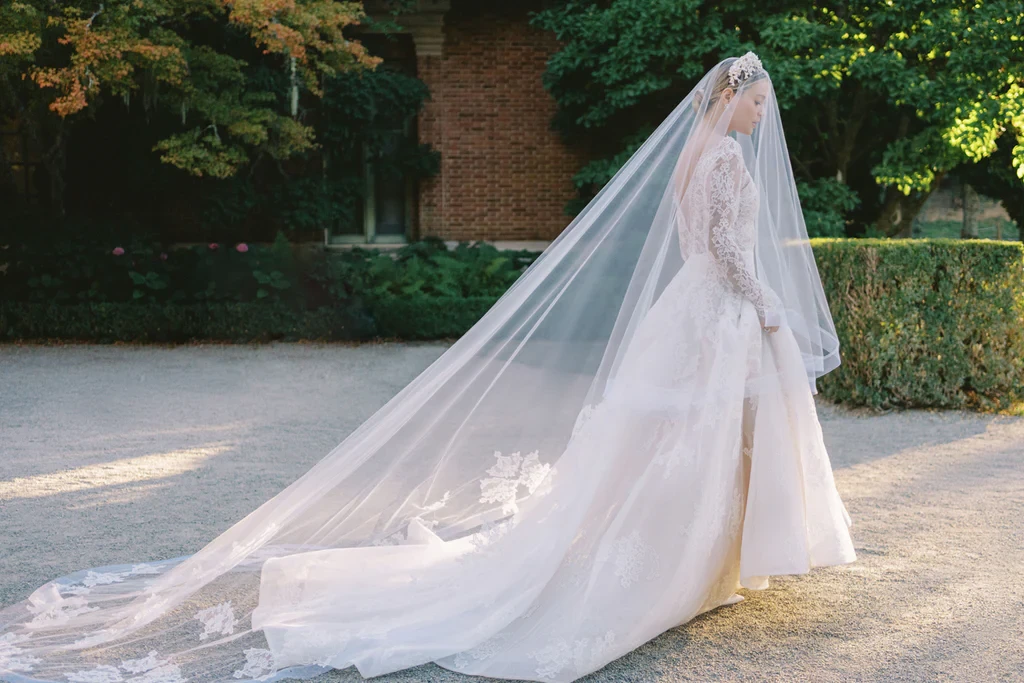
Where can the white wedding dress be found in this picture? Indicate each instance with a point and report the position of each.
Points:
(702, 470)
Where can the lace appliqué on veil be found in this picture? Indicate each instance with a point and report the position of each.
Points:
(259, 664)
(508, 474)
(12, 657)
(151, 668)
(217, 620)
(58, 612)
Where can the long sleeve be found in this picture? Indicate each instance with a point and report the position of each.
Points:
(723, 195)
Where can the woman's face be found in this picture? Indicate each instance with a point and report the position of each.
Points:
(749, 108)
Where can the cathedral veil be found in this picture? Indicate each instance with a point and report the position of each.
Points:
(451, 459)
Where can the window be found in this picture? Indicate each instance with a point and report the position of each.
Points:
(22, 159)
(389, 205)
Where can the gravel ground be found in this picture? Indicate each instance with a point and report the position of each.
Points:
(115, 454)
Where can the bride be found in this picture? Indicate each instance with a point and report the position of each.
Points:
(625, 440)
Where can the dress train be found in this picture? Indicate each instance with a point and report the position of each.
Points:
(702, 471)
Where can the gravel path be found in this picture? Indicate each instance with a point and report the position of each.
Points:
(131, 453)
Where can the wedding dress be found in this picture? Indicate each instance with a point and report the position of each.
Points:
(647, 536)
(694, 467)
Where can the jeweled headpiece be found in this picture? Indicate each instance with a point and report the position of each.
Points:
(743, 68)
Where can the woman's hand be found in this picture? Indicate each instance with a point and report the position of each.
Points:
(770, 320)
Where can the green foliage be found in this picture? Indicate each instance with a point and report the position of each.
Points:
(925, 322)
(321, 188)
(59, 59)
(161, 323)
(990, 229)
(421, 291)
(623, 55)
(921, 322)
(885, 96)
(422, 317)
(369, 282)
(825, 203)
(425, 268)
(77, 262)
(418, 317)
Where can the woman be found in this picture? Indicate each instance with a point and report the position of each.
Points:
(622, 442)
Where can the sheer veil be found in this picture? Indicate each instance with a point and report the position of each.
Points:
(453, 457)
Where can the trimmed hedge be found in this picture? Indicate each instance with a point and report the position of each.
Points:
(417, 317)
(125, 322)
(921, 323)
(934, 323)
(428, 317)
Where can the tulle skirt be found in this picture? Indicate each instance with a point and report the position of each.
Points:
(701, 470)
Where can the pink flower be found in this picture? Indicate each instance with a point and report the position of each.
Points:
(118, 251)
(242, 247)
(163, 256)
(213, 245)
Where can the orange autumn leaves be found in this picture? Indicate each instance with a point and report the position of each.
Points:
(75, 51)
(104, 55)
(110, 45)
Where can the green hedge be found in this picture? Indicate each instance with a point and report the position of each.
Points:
(125, 322)
(921, 322)
(425, 317)
(417, 317)
(925, 322)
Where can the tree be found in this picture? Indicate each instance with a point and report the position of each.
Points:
(880, 97)
(59, 60)
(903, 91)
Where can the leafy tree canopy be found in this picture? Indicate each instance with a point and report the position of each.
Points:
(881, 97)
(60, 59)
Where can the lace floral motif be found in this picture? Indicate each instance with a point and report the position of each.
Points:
(437, 505)
(732, 217)
(484, 650)
(101, 674)
(217, 620)
(12, 657)
(576, 565)
(634, 559)
(151, 668)
(582, 654)
(169, 673)
(719, 219)
(93, 579)
(59, 612)
(137, 666)
(259, 664)
(491, 532)
(508, 474)
(672, 455)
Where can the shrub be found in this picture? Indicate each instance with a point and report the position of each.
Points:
(925, 322)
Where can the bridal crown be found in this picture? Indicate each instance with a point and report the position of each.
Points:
(743, 68)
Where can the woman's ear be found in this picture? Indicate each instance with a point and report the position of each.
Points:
(727, 95)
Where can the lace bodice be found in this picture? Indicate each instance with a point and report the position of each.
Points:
(718, 220)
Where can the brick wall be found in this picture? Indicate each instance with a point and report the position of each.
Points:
(504, 173)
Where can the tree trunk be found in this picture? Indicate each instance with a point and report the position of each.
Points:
(897, 216)
(971, 209)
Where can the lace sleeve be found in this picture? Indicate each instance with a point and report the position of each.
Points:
(723, 186)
